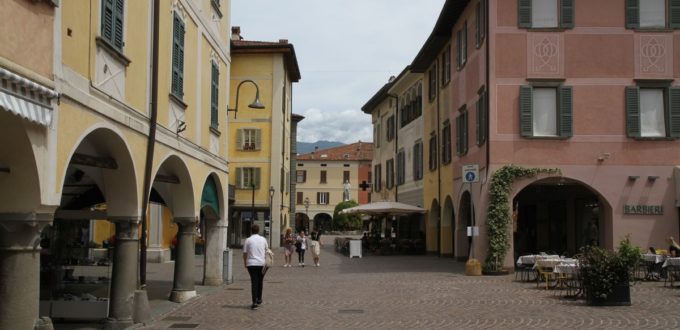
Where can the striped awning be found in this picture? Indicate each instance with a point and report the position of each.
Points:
(26, 98)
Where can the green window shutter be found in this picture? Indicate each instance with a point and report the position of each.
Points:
(633, 111)
(177, 57)
(526, 105)
(465, 132)
(256, 177)
(481, 119)
(107, 20)
(258, 139)
(214, 97)
(239, 182)
(674, 13)
(118, 25)
(459, 138)
(239, 139)
(632, 14)
(567, 14)
(674, 111)
(565, 111)
(524, 15)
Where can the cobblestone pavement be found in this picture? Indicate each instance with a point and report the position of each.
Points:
(408, 292)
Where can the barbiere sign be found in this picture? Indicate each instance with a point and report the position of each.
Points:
(643, 209)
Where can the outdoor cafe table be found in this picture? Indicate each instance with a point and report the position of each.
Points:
(531, 259)
(671, 262)
(568, 268)
(653, 258)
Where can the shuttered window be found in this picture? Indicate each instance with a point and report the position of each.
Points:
(482, 116)
(390, 128)
(177, 88)
(546, 111)
(246, 177)
(653, 112)
(480, 21)
(248, 139)
(462, 46)
(546, 14)
(433, 152)
(345, 176)
(389, 175)
(112, 23)
(377, 169)
(652, 14)
(432, 83)
(462, 132)
(418, 161)
(446, 66)
(323, 198)
(300, 198)
(322, 177)
(301, 176)
(401, 167)
(214, 95)
(446, 143)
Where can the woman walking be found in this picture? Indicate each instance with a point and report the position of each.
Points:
(315, 246)
(288, 247)
(301, 246)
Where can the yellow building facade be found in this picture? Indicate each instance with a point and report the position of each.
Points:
(260, 139)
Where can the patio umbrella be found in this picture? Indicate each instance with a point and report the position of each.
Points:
(384, 209)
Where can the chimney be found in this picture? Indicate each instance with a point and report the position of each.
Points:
(283, 41)
(236, 33)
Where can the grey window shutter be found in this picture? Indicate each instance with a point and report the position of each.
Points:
(526, 105)
(674, 14)
(565, 111)
(459, 136)
(567, 14)
(214, 98)
(239, 139)
(177, 56)
(107, 20)
(239, 182)
(633, 111)
(258, 139)
(632, 14)
(478, 122)
(524, 15)
(118, 25)
(674, 111)
(257, 177)
(181, 58)
(318, 198)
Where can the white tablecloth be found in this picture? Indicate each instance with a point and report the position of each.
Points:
(531, 259)
(566, 268)
(671, 262)
(655, 258)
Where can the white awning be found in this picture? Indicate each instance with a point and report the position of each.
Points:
(26, 98)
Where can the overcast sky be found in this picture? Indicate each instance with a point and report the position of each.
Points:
(346, 49)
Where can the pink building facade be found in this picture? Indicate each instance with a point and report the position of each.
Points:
(591, 88)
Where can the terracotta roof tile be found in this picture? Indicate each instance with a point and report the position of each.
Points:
(355, 151)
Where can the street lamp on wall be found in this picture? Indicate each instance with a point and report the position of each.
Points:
(256, 103)
(306, 203)
(271, 208)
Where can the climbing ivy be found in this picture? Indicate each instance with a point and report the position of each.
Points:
(498, 212)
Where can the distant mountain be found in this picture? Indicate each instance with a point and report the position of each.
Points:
(307, 147)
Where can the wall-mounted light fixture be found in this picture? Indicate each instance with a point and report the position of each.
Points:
(256, 103)
(652, 178)
(633, 177)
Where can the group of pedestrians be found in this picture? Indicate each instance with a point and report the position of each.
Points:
(300, 244)
(254, 257)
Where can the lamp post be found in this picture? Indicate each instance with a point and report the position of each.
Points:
(252, 205)
(306, 203)
(256, 103)
(271, 208)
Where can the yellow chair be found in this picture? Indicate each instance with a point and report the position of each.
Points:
(544, 274)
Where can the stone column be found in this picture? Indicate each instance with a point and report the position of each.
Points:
(20, 269)
(124, 273)
(183, 285)
(215, 245)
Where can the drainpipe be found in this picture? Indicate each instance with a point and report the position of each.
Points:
(437, 143)
(150, 144)
(488, 91)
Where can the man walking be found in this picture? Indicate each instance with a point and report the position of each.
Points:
(254, 250)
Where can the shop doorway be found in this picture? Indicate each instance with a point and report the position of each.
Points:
(556, 217)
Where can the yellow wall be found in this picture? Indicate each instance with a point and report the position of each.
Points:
(76, 46)
(137, 47)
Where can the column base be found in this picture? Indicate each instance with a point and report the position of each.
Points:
(114, 324)
(213, 281)
(181, 296)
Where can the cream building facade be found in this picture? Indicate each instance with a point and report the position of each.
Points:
(260, 139)
(138, 130)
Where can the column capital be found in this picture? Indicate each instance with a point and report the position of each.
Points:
(185, 220)
(21, 231)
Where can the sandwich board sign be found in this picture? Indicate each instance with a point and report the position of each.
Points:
(471, 173)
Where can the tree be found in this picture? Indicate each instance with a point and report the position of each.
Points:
(346, 221)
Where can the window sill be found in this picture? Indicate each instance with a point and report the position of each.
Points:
(666, 138)
(546, 29)
(215, 131)
(547, 137)
(177, 100)
(653, 30)
(101, 42)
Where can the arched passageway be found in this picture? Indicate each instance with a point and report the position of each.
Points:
(448, 228)
(434, 228)
(466, 218)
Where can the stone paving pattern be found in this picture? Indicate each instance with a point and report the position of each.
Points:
(408, 292)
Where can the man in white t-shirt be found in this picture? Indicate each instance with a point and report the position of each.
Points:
(254, 250)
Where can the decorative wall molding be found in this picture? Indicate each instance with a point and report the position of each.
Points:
(653, 56)
(545, 55)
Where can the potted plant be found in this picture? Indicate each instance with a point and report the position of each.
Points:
(606, 275)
